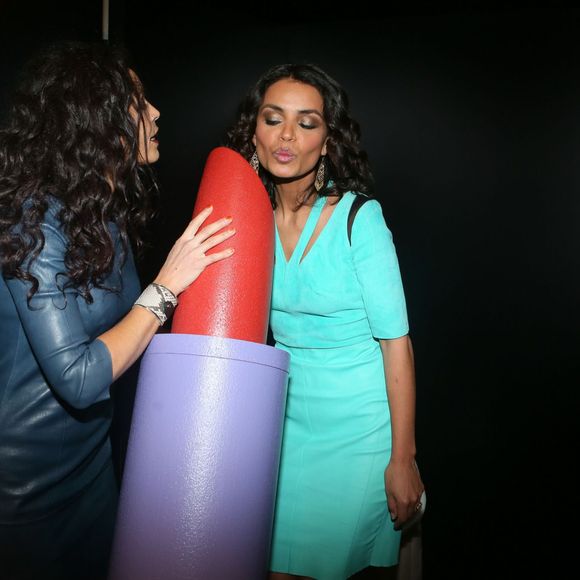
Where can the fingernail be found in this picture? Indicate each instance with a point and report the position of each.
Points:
(209, 207)
(229, 218)
(231, 251)
(232, 231)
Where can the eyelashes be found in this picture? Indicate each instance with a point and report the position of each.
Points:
(304, 125)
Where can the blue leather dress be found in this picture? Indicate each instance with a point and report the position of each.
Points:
(56, 476)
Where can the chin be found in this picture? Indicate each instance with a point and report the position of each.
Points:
(153, 156)
(151, 159)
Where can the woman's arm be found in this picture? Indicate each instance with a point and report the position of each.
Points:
(402, 480)
(78, 367)
(377, 269)
(127, 340)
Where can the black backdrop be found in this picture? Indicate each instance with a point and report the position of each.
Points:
(471, 117)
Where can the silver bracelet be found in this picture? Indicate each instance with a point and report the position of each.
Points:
(159, 300)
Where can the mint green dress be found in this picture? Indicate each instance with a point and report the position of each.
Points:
(328, 310)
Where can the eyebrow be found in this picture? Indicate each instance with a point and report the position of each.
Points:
(301, 111)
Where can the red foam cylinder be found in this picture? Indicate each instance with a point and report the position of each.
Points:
(231, 298)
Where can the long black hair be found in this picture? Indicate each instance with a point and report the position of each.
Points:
(70, 135)
(347, 165)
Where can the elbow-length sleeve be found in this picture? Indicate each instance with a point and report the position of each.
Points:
(377, 270)
(77, 367)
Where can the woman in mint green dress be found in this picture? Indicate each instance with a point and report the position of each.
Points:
(348, 479)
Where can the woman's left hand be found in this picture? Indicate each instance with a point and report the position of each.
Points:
(404, 487)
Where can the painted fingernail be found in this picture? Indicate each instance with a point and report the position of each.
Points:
(229, 218)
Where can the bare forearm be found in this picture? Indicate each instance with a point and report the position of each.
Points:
(400, 377)
(187, 259)
(128, 339)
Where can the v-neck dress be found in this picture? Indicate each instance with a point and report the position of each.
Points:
(329, 308)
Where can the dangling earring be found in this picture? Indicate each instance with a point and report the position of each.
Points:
(320, 175)
(255, 162)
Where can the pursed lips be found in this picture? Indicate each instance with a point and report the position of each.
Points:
(284, 155)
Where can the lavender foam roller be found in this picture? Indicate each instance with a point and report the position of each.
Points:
(202, 463)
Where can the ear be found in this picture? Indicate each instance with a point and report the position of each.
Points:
(254, 139)
(323, 152)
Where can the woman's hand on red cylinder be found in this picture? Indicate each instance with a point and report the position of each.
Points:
(188, 259)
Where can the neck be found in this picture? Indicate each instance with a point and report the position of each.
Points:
(292, 195)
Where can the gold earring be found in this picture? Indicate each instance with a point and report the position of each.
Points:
(255, 162)
(320, 175)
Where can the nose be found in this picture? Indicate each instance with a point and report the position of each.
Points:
(287, 132)
(154, 113)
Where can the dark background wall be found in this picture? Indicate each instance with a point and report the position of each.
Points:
(471, 117)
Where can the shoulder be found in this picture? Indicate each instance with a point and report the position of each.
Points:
(357, 198)
(370, 224)
(365, 206)
(354, 198)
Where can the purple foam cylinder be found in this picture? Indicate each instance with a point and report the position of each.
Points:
(199, 484)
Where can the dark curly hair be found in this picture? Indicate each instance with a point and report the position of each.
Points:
(347, 166)
(70, 135)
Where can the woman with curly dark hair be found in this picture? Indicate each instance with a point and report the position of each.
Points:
(75, 195)
(338, 308)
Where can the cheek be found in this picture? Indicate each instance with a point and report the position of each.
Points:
(315, 144)
(147, 130)
(260, 137)
(141, 139)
